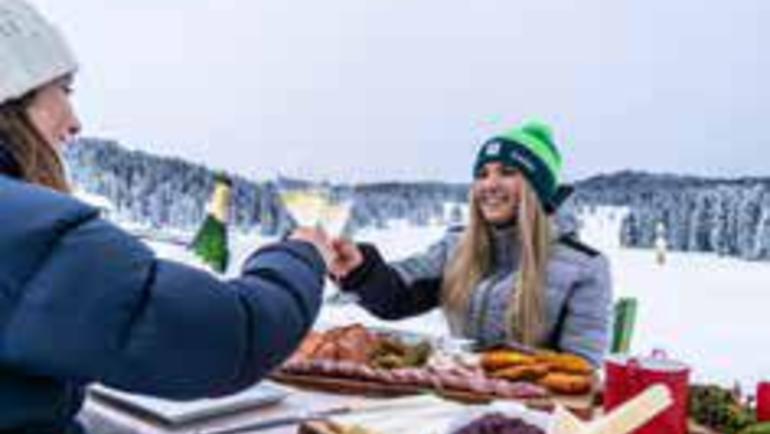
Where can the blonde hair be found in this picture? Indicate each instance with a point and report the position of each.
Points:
(38, 161)
(473, 261)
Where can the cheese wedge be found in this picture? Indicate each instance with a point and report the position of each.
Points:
(622, 420)
(634, 413)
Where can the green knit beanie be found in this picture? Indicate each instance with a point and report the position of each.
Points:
(529, 148)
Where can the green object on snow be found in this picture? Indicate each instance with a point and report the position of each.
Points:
(625, 320)
(210, 243)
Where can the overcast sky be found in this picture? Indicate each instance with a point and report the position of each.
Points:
(408, 89)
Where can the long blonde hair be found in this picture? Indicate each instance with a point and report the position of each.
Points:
(38, 161)
(473, 261)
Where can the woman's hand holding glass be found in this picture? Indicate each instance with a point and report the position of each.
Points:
(318, 238)
(347, 257)
(323, 211)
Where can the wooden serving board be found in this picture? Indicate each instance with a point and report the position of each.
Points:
(582, 405)
(319, 427)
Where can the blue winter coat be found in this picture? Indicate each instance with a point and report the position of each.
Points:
(82, 301)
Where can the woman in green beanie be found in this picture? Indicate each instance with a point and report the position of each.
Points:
(511, 275)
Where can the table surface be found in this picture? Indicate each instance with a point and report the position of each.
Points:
(101, 417)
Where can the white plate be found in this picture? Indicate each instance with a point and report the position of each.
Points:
(178, 412)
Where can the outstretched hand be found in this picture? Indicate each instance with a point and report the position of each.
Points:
(318, 238)
(347, 257)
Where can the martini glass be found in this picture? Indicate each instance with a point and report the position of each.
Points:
(304, 200)
(335, 220)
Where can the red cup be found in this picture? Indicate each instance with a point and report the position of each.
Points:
(626, 377)
(763, 401)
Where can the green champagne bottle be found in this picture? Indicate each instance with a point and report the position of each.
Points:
(210, 243)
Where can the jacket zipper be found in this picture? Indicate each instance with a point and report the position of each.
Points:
(485, 299)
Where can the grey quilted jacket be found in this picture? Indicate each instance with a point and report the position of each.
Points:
(578, 292)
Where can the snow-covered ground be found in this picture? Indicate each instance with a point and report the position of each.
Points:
(706, 310)
(702, 309)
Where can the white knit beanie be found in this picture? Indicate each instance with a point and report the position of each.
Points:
(32, 51)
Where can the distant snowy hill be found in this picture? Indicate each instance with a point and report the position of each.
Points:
(172, 193)
(724, 216)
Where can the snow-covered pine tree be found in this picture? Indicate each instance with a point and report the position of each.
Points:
(749, 213)
(763, 230)
(268, 210)
(661, 244)
(702, 218)
(628, 230)
(456, 215)
(210, 243)
(718, 232)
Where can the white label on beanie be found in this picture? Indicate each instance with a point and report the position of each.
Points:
(493, 149)
(523, 159)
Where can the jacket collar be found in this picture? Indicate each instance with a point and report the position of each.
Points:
(505, 244)
(505, 238)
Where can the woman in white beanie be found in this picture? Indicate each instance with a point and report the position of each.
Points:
(36, 71)
(82, 301)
